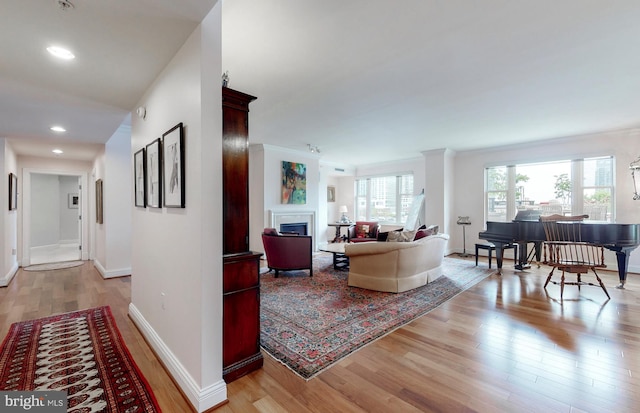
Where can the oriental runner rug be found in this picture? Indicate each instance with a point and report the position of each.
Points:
(81, 353)
(310, 323)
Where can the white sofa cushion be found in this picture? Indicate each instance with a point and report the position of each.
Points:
(396, 266)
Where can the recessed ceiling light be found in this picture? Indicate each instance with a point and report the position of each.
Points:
(60, 52)
(58, 129)
(57, 151)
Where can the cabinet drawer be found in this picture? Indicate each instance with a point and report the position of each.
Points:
(241, 271)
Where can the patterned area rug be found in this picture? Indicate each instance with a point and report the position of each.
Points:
(81, 353)
(53, 266)
(309, 324)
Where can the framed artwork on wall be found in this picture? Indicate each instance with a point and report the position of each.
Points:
(173, 167)
(139, 178)
(331, 194)
(153, 185)
(73, 201)
(99, 201)
(294, 183)
(13, 192)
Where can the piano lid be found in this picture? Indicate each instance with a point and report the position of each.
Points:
(528, 215)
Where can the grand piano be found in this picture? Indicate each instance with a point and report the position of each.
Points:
(526, 228)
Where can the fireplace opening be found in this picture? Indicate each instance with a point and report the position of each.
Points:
(299, 228)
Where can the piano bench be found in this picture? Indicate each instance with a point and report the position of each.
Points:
(491, 247)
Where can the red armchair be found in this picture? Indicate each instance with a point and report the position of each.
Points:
(286, 252)
(364, 231)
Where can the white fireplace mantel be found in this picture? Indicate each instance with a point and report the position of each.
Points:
(294, 216)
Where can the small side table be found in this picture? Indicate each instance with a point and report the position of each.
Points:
(339, 225)
(340, 260)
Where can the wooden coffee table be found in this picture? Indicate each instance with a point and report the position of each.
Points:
(340, 261)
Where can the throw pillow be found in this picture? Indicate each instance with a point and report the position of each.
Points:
(362, 231)
(382, 236)
(421, 233)
(401, 236)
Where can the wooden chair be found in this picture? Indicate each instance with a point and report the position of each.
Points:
(564, 250)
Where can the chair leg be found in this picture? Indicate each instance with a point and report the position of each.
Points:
(602, 284)
(276, 276)
(579, 280)
(549, 277)
(561, 285)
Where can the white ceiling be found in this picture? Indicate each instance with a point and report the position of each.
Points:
(365, 80)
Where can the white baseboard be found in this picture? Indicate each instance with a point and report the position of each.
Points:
(4, 281)
(201, 398)
(111, 273)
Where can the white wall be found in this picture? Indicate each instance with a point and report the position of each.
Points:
(45, 210)
(9, 221)
(342, 177)
(176, 283)
(99, 233)
(113, 237)
(469, 177)
(269, 178)
(69, 227)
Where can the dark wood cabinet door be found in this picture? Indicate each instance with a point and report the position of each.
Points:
(235, 170)
(241, 322)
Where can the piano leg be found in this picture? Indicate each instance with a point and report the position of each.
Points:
(623, 265)
(499, 255)
(522, 263)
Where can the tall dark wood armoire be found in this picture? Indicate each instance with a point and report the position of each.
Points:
(241, 267)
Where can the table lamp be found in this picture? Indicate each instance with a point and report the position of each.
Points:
(344, 219)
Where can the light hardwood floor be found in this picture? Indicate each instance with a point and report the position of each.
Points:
(504, 345)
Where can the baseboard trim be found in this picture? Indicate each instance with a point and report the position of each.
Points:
(122, 272)
(201, 398)
(4, 281)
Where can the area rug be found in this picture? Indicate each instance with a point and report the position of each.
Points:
(53, 266)
(81, 353)
(310, 323)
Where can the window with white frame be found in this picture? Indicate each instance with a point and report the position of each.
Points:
(569, 187)
(386, 199)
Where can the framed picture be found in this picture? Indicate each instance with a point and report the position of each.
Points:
(331, 194)
(73, 201)
(153, 186)
(13, 192)
(294, 183)
(139, 179)
(99, 202)
(173, 167)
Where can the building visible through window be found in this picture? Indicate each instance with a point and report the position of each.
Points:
(386, 199)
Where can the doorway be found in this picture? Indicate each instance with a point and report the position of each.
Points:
(53, 229)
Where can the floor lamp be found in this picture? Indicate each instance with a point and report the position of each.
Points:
(464, 221)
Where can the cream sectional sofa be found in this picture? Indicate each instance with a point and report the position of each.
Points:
(396, 266)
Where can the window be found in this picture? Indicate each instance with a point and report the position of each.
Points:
(386, 199)
(572, 187)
